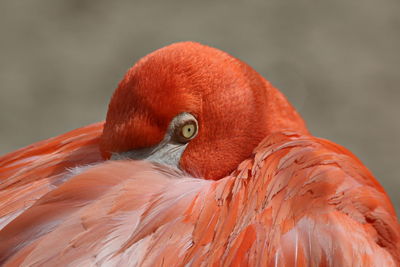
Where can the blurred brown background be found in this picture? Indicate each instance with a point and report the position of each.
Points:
(337, 61)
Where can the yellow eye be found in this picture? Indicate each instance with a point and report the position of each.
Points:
(185, 128)
(189, 130)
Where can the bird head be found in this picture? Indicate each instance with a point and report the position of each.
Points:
(195, 108)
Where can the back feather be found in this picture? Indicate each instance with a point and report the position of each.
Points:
(30, 172)
(298, 201)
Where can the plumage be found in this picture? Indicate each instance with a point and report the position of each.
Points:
(30, 172)
(294, 200)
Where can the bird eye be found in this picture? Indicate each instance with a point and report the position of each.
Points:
(185, 132)
(188, 130)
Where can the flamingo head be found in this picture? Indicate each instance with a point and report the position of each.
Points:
(195, 108)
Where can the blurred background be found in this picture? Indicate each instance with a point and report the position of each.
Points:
(337, 61)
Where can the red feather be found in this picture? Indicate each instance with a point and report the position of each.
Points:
(272, 195)
(298, 200)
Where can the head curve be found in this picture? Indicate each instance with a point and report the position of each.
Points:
(235, 106)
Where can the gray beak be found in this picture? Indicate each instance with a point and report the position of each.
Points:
(166, 152)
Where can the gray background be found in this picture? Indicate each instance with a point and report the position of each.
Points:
(337, 61)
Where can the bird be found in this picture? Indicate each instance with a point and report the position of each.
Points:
(200, 162)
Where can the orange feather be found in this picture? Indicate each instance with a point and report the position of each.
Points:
(295, 200)
(30, 172)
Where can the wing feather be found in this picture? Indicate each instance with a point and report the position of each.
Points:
(30, 172)
(298, 201)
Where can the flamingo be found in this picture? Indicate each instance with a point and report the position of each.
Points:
(200, 162)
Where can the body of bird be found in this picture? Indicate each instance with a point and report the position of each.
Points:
(200, 162)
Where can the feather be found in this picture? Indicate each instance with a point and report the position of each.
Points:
(30, 172)
(297, 201)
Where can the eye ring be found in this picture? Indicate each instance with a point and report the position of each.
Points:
(186, 131)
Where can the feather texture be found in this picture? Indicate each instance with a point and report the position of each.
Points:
(30, 172)
(297, 201)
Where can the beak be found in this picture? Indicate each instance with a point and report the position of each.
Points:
(166, 152)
